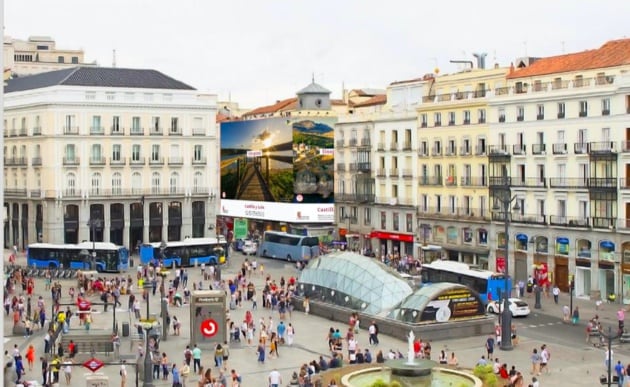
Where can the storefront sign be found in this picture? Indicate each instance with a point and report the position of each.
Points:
(391, 236)
(500, 262)
(453, 304)
(240, 228)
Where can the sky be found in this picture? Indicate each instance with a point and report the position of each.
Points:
(255, 52)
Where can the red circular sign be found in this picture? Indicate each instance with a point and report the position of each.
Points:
(83, 305)
(93, 364)
(209, 327)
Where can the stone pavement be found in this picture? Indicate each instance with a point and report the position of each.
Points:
(570, 365)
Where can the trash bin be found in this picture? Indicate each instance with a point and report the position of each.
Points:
(125, 329)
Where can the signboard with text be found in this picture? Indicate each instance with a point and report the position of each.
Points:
(208, 318)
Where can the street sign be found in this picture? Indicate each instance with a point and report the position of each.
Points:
(209, 327)
(93, 364)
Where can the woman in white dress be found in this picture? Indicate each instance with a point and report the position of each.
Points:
(290, 334)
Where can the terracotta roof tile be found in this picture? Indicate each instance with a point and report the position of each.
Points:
(376, 100)
(611, 54)
(278, 106)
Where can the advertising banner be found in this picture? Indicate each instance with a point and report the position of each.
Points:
(240, 228)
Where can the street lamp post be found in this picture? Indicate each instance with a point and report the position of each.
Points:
(506, 316)
(609, 338)
(147, 325)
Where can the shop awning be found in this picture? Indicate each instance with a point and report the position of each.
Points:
(521, 238)
(608, 245)
(391, 236)
(562, 241)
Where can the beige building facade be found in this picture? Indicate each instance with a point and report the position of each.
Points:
(108, 154)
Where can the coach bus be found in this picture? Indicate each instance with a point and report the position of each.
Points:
(185, 253)
(105, 256)
(282, 245)
(488, 284)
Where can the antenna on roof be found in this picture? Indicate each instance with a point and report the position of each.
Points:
(114, 58)
(313, 77)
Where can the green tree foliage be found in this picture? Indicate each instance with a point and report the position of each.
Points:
(486, 374)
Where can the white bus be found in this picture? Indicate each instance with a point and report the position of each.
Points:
(282, 245)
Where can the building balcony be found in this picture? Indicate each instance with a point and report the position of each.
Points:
(175, 131)
(341, 167)
(198, 131)
(36, 161)
(519, 149)
(430, 180)
(480, 150)
(437, 123)
(393, 146)
(561, 115)
(583, 113)
(70, 130)
(37, 131)
(407, 173)
(468, 181)
(366, 141)
(559, 149)
(36, 193)
(71, 161)
(380, 147)
(569, 221)
(424, 124)
(436, 152)
(499, 151)
(520, 218)
(354, 198)
(603, 223)
(381, 172)
(568, 182)
(156, 161)
(198, 160)
(364, 167)
(339, 144)
(466, 122)
(533, 182)
(137, 161)
(71, 193)
(451, 151)
(97, 161)
(15, 192)
(499, 181)
(353, 167)
(464, 213)
(602, 183)
(540, 117)
(451, 181)
(119, 162)
(625, 146)
(406, 146)
(116, 131)
(604, 147)
(520, 118)
(539, 149)
(352, 142)
(176, 161)
(156, 131)
(394, 173)
(137, 132)
(423, 152)
(97, 130)
(481, 120)
(23, 132)
(465, 150)
(580, 148)
(501, 119)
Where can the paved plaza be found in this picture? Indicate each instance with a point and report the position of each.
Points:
(576, 365)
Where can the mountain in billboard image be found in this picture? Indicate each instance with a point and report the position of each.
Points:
(314, 134)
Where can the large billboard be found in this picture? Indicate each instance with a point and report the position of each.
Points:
(278, 160)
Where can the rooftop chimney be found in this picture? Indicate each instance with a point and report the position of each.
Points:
(481, 59)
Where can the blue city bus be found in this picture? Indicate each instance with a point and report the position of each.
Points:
(488, 284)
(108, 258)
(186, 253)
(282, 245)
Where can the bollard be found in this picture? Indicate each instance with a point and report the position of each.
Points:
(537, 292)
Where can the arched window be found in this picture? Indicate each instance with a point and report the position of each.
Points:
(155, 183)
(38, 150)
(116, 183)
(136, 183)
(198, 182)
(96, 183)
(71, 184)
(174, 182)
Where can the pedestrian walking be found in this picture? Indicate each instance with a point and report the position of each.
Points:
(196, 354)
(490, 347)
(621, 316)
(545, 355)
(575, 318)
(535, 358)
(566, 312)
(556, 293)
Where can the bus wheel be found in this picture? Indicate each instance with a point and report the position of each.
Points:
(289, 258)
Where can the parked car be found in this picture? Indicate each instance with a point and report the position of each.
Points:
(249, 247)
(517, 307)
